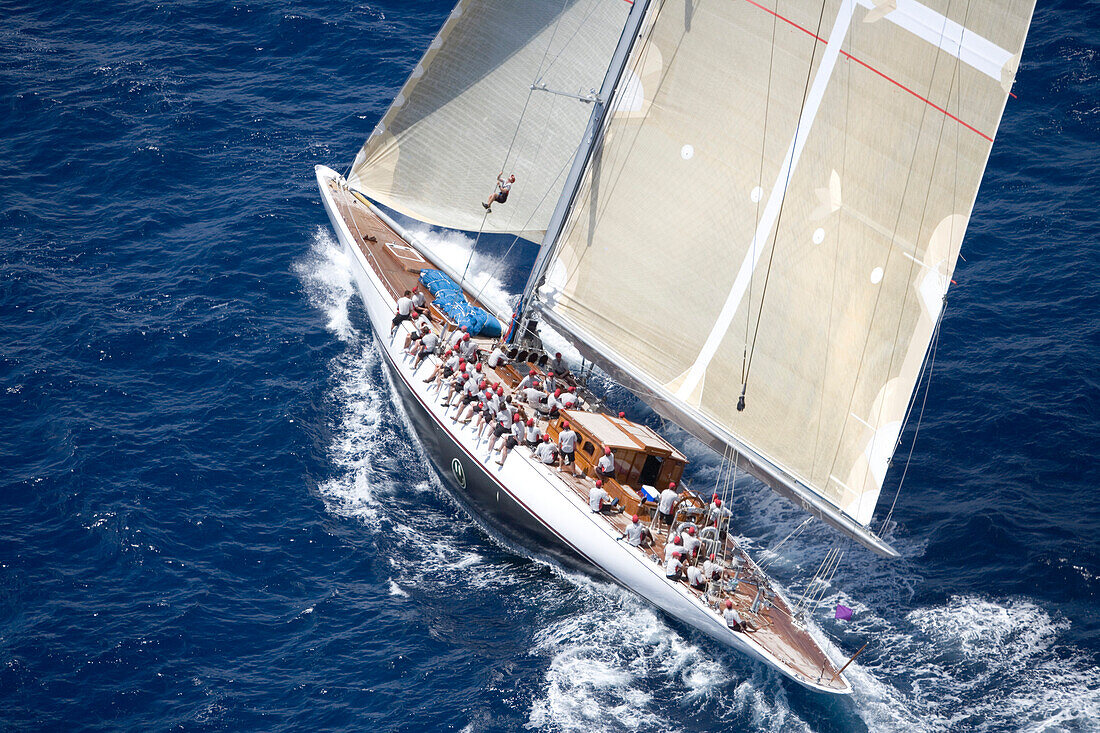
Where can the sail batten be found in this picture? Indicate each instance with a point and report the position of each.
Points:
(468, 109)
(834, 155)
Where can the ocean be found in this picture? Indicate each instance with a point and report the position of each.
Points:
(214, 516)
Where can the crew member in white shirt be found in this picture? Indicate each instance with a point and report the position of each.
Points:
(691, 542)
(635, 532)
(599, 500)
(567, 444)
(734, 621)
(605, 467)
(404, 308)
(666, 503)
(546, 451)
(696, 578)
(673, 567)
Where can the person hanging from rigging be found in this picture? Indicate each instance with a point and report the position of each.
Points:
(501, 194)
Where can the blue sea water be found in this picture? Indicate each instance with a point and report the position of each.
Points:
(214, 517)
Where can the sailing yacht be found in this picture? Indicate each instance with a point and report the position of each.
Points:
(749, 215)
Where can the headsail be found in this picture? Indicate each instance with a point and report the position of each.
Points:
(436, 153)
(782, 193)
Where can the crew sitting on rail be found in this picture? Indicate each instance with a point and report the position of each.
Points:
(605, 467)
(546, 451)
(503, 425)
(734, 621)
(666, 504)
(418, 321)
(444, 368)
(471, 393)
(636, 533)
(567, 444)
(695, 577)
(470, 388)
(531, 435)
(673, 566)
(457, 383)
(569, 398)
(491, 403)
(512, 439)
(498, 357)
(423, 347)
(404, 309)
(418, 299)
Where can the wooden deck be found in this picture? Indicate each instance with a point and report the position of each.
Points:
(398, 265)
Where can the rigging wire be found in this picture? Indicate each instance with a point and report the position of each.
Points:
(779, 215)
(759, 180)
(916, 239)
(920, 417)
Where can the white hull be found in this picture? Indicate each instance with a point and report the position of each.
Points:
(549, 502)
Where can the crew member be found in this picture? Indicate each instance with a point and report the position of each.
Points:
(734, 621)
(666, 503)
(673, 567)
(567, 444)
(635, 532)
(404, 308)
(599, 500)
(695, 577)
(546, 451)
(605, 467)
(501, 194)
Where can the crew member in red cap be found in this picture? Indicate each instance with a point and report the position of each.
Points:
(666, 503)
(605, 467)
(599, 500)
(530, 379)
(734, 621)
(636, 532)
(567, 444)
(673, 567)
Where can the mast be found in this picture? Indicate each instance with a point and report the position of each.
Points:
(591, 139)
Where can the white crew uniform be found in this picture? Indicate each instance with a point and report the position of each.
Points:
(634, 532)
(695, 576)
(596, 498)
(545, 453)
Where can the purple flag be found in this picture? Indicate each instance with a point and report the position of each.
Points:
(843, 612)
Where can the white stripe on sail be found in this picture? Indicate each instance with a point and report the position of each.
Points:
(771, 210)
(947, 35)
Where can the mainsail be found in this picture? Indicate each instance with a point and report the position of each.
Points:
(468, 110)
(778, 202)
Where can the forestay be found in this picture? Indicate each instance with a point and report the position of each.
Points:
(436, 153)
(830, 154)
